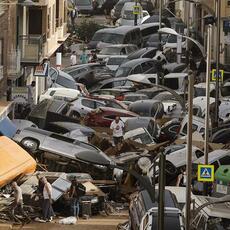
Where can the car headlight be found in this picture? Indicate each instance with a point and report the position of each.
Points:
(94, 200)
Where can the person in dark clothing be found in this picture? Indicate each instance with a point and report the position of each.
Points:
(74, 198)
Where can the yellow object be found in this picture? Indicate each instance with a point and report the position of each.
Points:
(136, 9)
(14, 161)
(206, 173)
(214, 75)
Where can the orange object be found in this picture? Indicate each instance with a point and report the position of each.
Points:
(14, 161)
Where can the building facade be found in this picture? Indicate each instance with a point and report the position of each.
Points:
(9, 54)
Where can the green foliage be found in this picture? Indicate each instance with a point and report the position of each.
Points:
(86, 30)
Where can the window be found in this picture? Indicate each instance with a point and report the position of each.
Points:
(112, 117)
(225, 160)
(88, 103)
(137, 69)
(228, 3)
(52, 92)
(194, 128)
(149, 54)
(199, 153)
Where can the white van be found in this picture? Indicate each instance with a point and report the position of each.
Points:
(60, 94)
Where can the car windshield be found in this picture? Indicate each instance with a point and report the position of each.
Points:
(198, 92)
(65, 82)
(111, 50)
(83, 2)
(123, 71)
(115, 61)
(143, 138)
(108, 38)
(171, 83)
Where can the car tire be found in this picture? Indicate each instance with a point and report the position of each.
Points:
(30, 144)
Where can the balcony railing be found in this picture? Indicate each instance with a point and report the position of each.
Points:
(14, 59)
(31, 48)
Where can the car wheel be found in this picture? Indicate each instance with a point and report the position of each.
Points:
(30, 144)
(76, 115)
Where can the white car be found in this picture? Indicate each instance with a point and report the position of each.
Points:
(146, 79)
(177, 154)
(60, 93)
(127, 15)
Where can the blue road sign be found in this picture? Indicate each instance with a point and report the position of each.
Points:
(206, 173)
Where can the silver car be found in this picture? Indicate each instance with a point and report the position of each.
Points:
(34, 139)
(82, 106)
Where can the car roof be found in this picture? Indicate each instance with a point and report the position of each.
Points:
(134, 62)
(117, 30)
(145, 102)
(213, 156)
(130, 5)
(138, 53)
(176, 75)
(110, 109)
(70, 68)
(120, 45)
(147, 25)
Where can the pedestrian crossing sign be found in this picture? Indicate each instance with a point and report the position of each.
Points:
(206, 173)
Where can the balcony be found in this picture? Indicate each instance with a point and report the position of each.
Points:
(31, 48)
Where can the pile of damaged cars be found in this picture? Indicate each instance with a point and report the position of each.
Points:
(68, 135)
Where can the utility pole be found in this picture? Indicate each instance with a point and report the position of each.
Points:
(161, 193)
(208, 70)
(189, 151)
(160, 18)
(135, 15)
(218, 9)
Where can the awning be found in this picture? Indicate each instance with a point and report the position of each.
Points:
(7, 128)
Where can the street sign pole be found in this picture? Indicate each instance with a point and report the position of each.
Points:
(135, 15)
(218, 8)
(189, 151)
(161, 193)
(208, 67)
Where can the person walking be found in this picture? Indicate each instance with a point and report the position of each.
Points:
(74, 198)
(31, 94)
(117, 127)
(84, 57)
(18, 201)
(47, 208)
(73, 58)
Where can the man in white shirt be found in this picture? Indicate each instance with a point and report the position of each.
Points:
(48, 212)
(117, 126)
(73, 58)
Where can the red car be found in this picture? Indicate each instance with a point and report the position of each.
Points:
(103, 116)
(110, 102)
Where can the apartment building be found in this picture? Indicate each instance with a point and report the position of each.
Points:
(42, 29)
(194, 14)
(9, 54)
